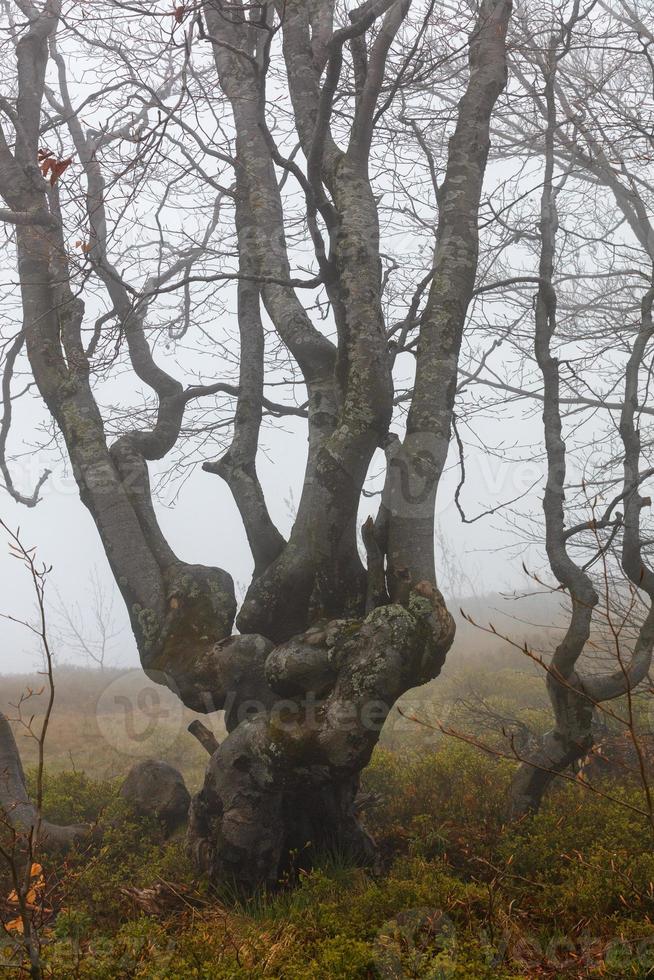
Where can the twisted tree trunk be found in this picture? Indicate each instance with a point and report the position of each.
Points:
(326, 646)
(575, 696)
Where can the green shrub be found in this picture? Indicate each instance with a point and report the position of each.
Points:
(459, 896)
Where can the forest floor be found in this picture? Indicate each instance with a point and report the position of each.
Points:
(457, 893)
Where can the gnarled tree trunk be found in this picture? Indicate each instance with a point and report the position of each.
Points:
(326, 645)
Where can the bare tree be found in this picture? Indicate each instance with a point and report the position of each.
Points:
(89, 630)
(577, 549)
(325, 645)
(568, 275)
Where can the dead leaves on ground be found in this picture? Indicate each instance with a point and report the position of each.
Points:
(163, 898)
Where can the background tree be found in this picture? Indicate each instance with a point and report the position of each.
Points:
(574, 694)
(89, 628)
(575, 225)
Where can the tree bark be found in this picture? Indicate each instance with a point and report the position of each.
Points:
(319, 662)
(19, 810)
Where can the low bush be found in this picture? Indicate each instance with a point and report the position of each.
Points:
(457, 895)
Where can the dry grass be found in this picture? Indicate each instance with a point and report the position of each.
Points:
(105, 721)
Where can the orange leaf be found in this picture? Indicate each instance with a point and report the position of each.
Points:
(57, 168)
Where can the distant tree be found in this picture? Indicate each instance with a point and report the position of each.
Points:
(575, 257)
(89, 629)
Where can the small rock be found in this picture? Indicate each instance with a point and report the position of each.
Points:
(156, 789)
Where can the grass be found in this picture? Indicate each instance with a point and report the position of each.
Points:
(456, 894)
(105, 721)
